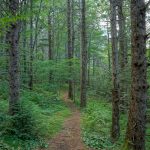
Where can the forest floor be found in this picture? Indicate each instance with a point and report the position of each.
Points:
(70, 137)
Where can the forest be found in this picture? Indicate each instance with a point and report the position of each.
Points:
(74, 75)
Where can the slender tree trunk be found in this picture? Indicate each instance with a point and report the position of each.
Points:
(115, 132)
(123, 54)
(122, 43)
(93, 65)
(24, 51)
(49, 37)
(73, 42)
(135, 135)
(89, 62)
(58, 57)
(83, 56)
(50, 42)
(53, 29)
(108, 40)
(31, 48)
(70, 50)
(72, 27)
(12, 39)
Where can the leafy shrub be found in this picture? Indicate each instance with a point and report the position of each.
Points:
(41, 115)
(3, 89)
(21, 125)
(95, 140)
(5, 123)
(23, 122)
(4, 146)
(97, 117)
(96, 125)
(99, 86)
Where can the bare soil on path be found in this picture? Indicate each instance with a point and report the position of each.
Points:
(70, 137)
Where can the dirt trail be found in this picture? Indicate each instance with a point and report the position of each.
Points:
(70, 137)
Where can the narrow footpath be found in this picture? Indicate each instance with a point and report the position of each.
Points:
(70, 137)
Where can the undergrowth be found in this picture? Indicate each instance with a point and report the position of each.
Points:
(40, 117)
(96, 125)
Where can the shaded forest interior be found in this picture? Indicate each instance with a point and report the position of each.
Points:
(96, 51)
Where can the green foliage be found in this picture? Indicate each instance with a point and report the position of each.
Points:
(59, 71)
(96, 141)
(4, 146)
(23, 123)
(3, 89)
(41, 113)
(96, 118)
(148, 136)
(40, 116)
(100, 83)
(96, 125)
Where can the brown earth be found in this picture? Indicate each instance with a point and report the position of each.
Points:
(70, 137)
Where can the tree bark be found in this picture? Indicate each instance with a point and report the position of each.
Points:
(135, 135)
(70, 48)
(115, 132)
(31, 48)
(50, 42)
(12, 39)
(73, 41)
(83, 56)
(108, 40)
(49, 37)
(24, 51)
(123, 54)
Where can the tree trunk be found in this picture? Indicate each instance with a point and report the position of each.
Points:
(83, 56)
(123, 54)
(115, 132)
(73, 41)
(135, 135)
(31, 49)
(72, 27)
(70, 50)
(12, 39)
(89, 61)
(50, 42)
(24, 52)
(49, 37)
(53, 29)
(122, 43)
(108, 40)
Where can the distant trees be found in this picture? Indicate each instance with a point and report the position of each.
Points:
(12, 40)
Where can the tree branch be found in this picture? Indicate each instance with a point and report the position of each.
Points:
(147, 36)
